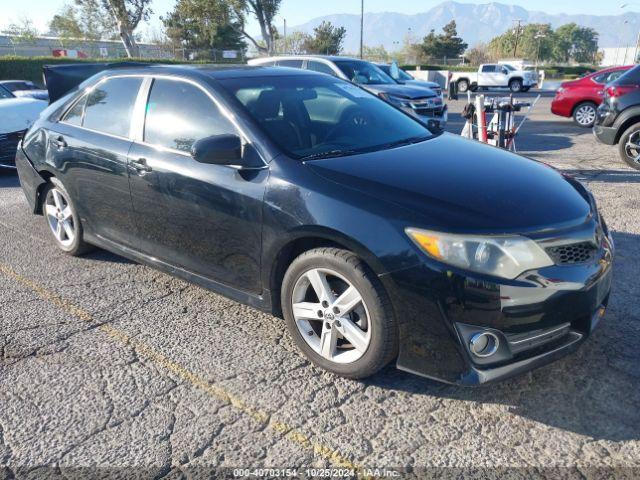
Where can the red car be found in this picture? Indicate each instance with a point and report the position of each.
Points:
(580, 98)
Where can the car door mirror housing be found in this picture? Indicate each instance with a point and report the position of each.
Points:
(218, 150)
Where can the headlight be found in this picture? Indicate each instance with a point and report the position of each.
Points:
(505, 256)
(396, 100)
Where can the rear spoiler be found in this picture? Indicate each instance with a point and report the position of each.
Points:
(60, 79)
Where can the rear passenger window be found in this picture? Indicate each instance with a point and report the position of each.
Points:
(320, 67)
(179, 113)
(74, 115)
(290, 63)
(110, 104)
(489, 69)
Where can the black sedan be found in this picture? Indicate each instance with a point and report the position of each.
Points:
(308, 197)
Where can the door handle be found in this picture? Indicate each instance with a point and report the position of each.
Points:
(140, 165)
(60, 142)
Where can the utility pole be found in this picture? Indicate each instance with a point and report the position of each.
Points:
(361, 28)
(515, 47)
(285, 36)
(635, 52)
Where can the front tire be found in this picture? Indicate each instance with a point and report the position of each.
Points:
(515, 85)
(585, 114)
(629, 146)
(338, 313)
(62, 219)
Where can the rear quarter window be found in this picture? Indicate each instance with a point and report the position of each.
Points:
(632, 77)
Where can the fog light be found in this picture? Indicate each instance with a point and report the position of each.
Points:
(484, 344)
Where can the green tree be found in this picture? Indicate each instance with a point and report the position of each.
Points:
(204, 25)
(576, 43)
(23, 29)
(294, 44)
(264, 11)
(446, 44)
(126, 16)
(84, 20)
(376, 54)
(326, 39)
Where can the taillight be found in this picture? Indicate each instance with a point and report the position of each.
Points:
(615, 91)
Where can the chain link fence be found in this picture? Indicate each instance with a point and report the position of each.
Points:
(58, 47)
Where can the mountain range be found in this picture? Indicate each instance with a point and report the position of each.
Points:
(476, 23)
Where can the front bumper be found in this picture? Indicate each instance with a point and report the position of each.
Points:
(436, 120)
(8, 148)
(539, 317)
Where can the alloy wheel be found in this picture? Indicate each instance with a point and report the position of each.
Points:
(331, 315)
(632, 147)
(60, 217)
(586, 115)
(516, 86)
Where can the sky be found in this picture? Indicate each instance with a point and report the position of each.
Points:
(297, 12)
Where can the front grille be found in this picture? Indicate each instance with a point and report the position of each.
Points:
(8, 146)
(572, 254)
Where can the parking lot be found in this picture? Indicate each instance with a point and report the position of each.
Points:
(106, 363)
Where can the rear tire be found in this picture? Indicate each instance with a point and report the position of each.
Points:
(62, 219)
(515, 85)
(338, 313)
(584, 115)
(463, 86)
(629, 146)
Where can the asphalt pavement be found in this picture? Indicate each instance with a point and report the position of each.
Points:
(112, 368)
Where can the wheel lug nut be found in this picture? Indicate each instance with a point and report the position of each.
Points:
(327, 325)
(336, 310)
(320, 314)
(325, 304)
(338, 324)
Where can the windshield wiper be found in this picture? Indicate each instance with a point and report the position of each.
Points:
(403, 142)
(330, 153)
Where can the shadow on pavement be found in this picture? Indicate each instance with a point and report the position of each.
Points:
(593, 392)
(605, 176)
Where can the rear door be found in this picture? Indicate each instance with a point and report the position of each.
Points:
(206, 219)
(89, 147)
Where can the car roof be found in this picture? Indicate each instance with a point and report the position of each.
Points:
(210, 70)
(331, 58)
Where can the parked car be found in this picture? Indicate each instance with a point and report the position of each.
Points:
(618, 118)
(16, 115)
(311, 198)
(25, 88)
(491, 75)
(404, 78)
(580, 98)
(423, 103)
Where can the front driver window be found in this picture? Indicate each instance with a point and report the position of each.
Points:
(179, 113)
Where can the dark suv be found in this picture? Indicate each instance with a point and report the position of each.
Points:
(618, 118)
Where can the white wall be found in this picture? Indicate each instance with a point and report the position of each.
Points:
(618, 56)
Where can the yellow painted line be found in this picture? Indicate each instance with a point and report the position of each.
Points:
(289, 432)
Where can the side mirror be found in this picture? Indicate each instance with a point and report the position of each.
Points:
(218, 150)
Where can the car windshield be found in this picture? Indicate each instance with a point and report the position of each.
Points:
(364, 73)
(17, 86)
(4, 93)
(402, 75)
(631, 77)
(316, 116)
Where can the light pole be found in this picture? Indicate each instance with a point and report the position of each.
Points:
(361, 28)
(517, 32)
(539, 36)
(285, 35)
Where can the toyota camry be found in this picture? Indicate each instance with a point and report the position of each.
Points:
(306, 196)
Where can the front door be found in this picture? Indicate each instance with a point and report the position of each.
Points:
(206, 219)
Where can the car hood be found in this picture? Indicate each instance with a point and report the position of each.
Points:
(460, 185)
(422, 84)
(401, 91)
(18, 114)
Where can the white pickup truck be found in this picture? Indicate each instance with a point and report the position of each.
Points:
(495, 75)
